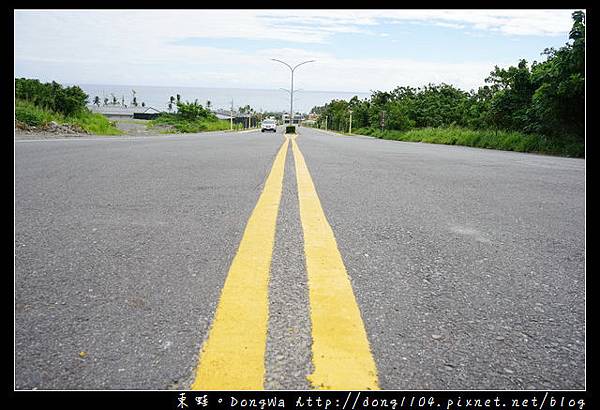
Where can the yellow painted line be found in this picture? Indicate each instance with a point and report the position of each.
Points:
(233, 356)
(341, 355)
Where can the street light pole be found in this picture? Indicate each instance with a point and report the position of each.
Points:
(291, 97)
(292, 84)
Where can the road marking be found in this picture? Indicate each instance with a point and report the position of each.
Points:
(232, 357)
(341, 355)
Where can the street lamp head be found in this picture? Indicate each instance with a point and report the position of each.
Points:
(304, 62)
(296, 66)
(291, 91)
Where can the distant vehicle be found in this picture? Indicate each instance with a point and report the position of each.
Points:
(268, 125)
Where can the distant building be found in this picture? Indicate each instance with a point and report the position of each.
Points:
(150, 113)
(298, 118)
(247, 120)
(118, 111)
(222, 116)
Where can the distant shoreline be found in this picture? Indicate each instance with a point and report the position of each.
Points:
(214, 88)
(261, 100)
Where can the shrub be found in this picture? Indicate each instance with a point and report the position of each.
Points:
(504, 140)
(69, 101)
(30, 114)
(52, 96)
(180, 124)
(191, 111)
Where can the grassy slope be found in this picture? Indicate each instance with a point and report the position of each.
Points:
(182, 125)
(33, 115)
(502, 140)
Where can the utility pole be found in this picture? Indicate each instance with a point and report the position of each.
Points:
(292, 85)
(350, 131)
(231, 117)
(326, 123)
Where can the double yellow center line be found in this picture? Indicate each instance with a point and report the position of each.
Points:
(233, 356)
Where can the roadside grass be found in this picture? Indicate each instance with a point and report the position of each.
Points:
(180, 125)
(95, 123)
(37, 116)
(501, 140)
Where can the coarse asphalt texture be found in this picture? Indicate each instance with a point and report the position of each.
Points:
(467, 264)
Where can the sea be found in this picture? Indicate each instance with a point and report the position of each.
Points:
(261, 100)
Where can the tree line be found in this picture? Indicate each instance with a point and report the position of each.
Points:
(545, 98)
(53, 96)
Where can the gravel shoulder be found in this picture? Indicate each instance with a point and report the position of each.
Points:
(139, 127)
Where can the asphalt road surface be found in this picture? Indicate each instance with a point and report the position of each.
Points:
(458, 268)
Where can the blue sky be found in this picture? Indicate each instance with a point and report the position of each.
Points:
(418, 41)
(355, 50)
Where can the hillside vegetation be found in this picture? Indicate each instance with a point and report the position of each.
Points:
(532, 108)
(39, 104)
(191, 117)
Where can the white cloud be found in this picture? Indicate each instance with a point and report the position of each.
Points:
(509, 22)
(137, 46)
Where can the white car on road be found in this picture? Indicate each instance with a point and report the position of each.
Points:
(268, 125)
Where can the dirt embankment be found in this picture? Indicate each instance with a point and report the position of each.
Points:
(50, 129)
(54, 130)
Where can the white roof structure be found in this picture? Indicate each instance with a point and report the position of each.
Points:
(121, 111)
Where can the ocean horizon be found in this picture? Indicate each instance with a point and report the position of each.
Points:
(261, 100)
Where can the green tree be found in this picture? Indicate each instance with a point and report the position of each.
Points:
(547, 98)
(53, 96)
(192, 111)
(558, 104)
(511, 102)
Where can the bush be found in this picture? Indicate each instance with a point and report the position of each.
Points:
(94, 123)
(192, 111)
(181, 124)
(504, 140)
(32, 115)
(29, 114)
(51, 96)
(71, 100)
